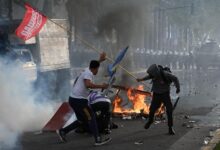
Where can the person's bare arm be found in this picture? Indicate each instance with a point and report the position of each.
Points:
(91, 85)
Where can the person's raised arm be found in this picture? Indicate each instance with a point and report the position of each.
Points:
(102, 57)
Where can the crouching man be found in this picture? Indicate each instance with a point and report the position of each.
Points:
(100, 105)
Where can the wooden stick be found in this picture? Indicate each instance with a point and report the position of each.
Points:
(22, 3)
(133, 90)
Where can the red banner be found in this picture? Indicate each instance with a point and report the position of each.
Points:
(31, 24)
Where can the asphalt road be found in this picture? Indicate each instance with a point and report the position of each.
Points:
(129, 132)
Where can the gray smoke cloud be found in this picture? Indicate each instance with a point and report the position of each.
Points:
(20, 110)
(109, 26)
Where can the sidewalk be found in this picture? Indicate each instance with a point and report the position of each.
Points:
(204, 136)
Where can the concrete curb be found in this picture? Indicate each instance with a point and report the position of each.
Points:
(215, 140)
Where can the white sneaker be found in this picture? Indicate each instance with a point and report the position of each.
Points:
(102, 142)
(61, 135)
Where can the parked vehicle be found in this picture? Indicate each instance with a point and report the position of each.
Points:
(26, 61)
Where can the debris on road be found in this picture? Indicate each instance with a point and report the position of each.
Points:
(138, 142)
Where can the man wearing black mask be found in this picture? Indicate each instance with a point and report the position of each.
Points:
(161, 78)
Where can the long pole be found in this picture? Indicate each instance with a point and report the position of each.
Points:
(95, 49)
(85, 42)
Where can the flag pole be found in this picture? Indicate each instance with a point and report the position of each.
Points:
(84, 41)
(95, 49)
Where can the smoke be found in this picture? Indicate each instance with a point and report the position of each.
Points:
(20, 109)
(155, 34)
(109, 26)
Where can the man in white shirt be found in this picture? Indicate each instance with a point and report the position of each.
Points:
(79, 103)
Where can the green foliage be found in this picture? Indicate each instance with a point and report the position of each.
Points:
(217, 147)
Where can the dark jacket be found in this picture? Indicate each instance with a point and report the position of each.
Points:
(161, 79)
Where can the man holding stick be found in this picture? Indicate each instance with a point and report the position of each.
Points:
(161, 78)
(79, 102)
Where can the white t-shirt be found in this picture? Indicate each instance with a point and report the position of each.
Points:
(79, 89)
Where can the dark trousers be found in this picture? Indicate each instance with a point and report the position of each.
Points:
(102, 112)
(84, 115)
(157, 100)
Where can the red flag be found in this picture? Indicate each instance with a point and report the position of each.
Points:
(31, 24)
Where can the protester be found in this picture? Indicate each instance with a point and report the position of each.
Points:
(100, 105)
(79, 102)
(162, 79)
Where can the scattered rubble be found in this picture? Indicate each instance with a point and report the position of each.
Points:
(189, 124)
(186, 117)
(126, 117)
(157, 122)
(138, 142)
(122, 126)
(192, 121)
(38, 132)
(207, 140)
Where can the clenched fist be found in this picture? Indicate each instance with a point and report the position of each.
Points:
(102, 57)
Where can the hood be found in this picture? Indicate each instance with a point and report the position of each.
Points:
(154, 71)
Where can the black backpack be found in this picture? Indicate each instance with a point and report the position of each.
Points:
(162, 69)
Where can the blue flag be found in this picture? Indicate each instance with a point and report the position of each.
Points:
(112, 67)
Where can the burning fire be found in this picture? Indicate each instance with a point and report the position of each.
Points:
(138, 103)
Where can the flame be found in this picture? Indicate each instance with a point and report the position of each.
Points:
(161, 110)
(116, 104)
(138, 103)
